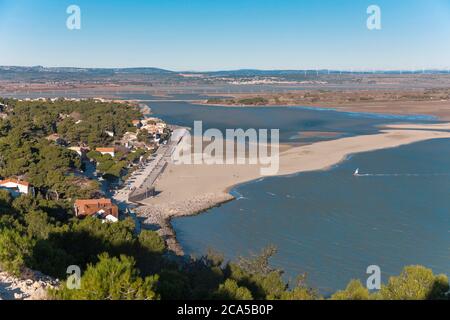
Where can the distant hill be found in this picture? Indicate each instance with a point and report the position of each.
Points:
(143, 70)
(224, 73)
(80, 74)
(150, 75)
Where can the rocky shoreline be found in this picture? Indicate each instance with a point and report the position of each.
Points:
(145, 109)
(162, 214)
(31, 285)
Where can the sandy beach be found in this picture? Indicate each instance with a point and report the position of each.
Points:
(190, 189)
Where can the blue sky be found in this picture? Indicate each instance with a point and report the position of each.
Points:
(227, 34)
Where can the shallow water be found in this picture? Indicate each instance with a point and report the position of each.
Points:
(291, 121)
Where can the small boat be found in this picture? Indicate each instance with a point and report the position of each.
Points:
(356, 173)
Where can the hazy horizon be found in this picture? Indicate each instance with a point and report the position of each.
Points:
(443, 69)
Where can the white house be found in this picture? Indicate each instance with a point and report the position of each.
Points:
(106, 217)
(80, 150)
(110, 151)
(19, 186)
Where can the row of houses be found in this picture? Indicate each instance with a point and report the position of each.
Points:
(128, 142)
(154, 126)
(104, 208)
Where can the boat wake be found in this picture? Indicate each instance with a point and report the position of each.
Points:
(402, 175)
(357, 174)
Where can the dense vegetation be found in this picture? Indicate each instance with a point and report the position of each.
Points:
(118, 264)
(49, 167)
(254, 101)
(40, 232)
(84, 121)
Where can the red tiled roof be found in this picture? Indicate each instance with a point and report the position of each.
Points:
(82, 202)
(105, 149)
(90, 207)
(16, 181)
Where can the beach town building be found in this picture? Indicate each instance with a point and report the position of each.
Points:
(128, 140)
(137, 123)
(111, 151)
(153, 125)
(56, 138)
(101, 208)
(16, 186)
(150, 146)
(80, 150)
(106, 217)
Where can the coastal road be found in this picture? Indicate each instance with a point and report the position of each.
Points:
(146, 177)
